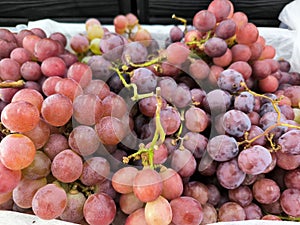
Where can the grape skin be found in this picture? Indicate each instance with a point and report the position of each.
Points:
(254, 160)
(99, 202)
(49, 202)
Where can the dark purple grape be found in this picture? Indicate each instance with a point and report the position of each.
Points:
(222, 148)
(215, 47)
(236, 123)
(225, 29)
(230, 80)
(176, 34)
(244, 102)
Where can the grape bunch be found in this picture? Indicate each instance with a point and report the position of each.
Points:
(116, 129)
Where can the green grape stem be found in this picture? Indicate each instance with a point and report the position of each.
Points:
(184, 21)
(12, 84)
(136, 96)
(147, 154)
(266, 132)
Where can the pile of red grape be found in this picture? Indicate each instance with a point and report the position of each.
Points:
(118, 130)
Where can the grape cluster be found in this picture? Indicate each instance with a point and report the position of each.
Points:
(118, 130)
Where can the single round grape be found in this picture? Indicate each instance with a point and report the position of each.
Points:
(261, 69)
(79, 43)
(158, 211)
(217, 101)
(87, 109)
(172, 184)
(176, 34)
(134, 52)
(236, 122)
(254, 160)
(144, 79)
(129, 203)
(97, 87)
(240, 52)
(20, 55)
(289, 202)
(177, 53)
(222, 148)
(83, 140)
(170, 120)
(266, 191)
(199, 69)
(11, 177)
(114, 105)
(95, 169)
(149, 189)
(20, 116)
(196, 190)
(74, 209)
(196, 143)
(287, 161)
(39, 168)
(99, 202)
(253, 212)
(220, 8)
(288, 142)
(196, 119)
(81, 73)
(56, 143)
(39, 135)
(183, 162)
(57, 109)
(186, 210)
(49, 202)
(143, 36)
(10, 69)
(110, 130)
(17, 151)
(204, 20)
(100, 67)
(210, 214)
(215, 47)
(292, 178)
(182, 97)
(53, 66)
(45, 48)
(137, 217)
(67, 166)
(241, 195)
(223, 60)
(230, 80)
(244, 102)
(247, 34)
(69, 88)
(229, 174)
(214, 195)
(168, 87)
(148, 105)
(226, 29)
(231, 211)
(122, 179)
(120, 24)
(48, 86)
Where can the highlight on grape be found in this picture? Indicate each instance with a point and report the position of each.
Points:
(119, 129)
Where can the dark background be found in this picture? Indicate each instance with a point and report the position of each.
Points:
(263, 13)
